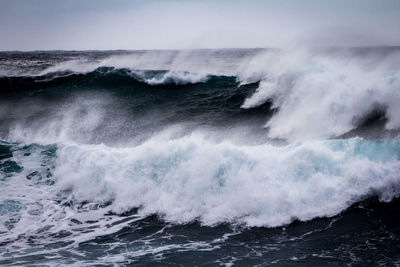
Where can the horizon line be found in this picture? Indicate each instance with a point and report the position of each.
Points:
(189, 49)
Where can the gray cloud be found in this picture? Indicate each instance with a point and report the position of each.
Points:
(45, 24)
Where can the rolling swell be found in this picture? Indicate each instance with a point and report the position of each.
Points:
(119, 105)
(106, 77)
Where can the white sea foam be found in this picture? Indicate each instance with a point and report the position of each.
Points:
(320, 96)
(174, 75)
(187, 179)
(191, 179)
(177, 78)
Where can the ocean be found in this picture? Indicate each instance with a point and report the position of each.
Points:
(231, 157)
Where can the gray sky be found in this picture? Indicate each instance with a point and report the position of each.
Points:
(169, 24)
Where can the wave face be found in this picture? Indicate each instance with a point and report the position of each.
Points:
(293, 156)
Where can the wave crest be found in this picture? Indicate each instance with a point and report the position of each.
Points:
(177, 78)
(321, 96)
(103, 76)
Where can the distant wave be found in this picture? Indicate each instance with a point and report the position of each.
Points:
(176, 77)
(108, 75)
(314, 94)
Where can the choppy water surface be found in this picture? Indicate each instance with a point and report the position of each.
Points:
(207, 157)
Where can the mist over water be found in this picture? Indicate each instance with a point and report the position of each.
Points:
(292, 95)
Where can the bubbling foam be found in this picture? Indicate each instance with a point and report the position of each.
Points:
(173, 77)
(81, 192)
(192, 179)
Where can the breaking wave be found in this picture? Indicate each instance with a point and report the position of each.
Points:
(191, 179)
(315, 94)
(322, 96)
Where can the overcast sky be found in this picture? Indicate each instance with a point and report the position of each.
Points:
(169, 24)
